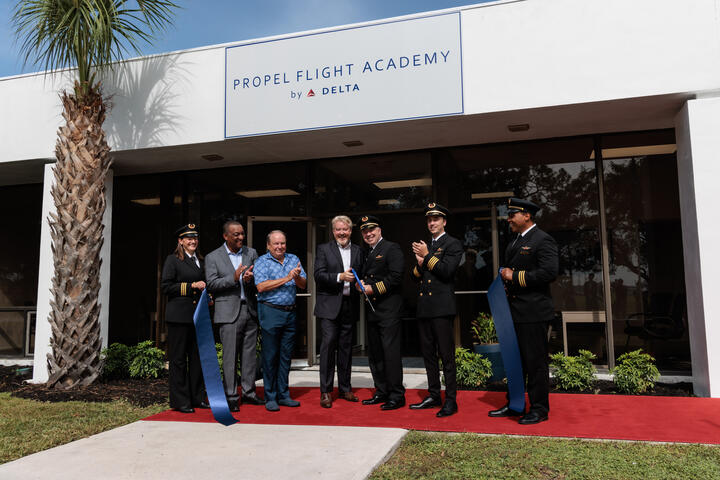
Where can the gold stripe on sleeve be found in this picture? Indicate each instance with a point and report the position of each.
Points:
(381, 288)
(432, 262)
(416, 272)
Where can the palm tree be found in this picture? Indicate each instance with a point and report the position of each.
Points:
(88, 35)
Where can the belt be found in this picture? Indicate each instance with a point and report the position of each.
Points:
(286, 308)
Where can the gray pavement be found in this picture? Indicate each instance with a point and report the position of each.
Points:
(186, 450)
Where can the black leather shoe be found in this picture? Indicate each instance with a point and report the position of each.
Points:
(253, 399)
(504, 412)
(374, 400)
(185, 409)
(203, 405)
(449, 408)
(393, 404)
(234, 406)
(532, 418)
(428, 402)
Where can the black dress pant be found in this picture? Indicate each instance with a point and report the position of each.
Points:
(185, 380)
(385, 357)
(436, 340)
(532, 341)
(336, 346)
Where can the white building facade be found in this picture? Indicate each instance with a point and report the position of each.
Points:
(605, 113)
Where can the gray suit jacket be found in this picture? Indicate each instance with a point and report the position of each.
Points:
(220, 279)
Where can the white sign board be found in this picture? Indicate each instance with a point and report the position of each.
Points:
(378, 73)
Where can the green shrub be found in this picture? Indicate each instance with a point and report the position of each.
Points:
(635, 372)
(473, 370)
(219, 350)
(115, 361)
(146, 361)
(574, 373)
(483, 329)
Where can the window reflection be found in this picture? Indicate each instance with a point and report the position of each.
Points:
(646, 255)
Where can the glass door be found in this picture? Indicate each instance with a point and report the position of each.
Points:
(480, 236)
(301, 242)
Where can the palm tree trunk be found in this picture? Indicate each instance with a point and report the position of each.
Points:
(83, 160)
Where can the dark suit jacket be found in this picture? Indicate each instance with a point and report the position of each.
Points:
(221, 283)
(436, 278)
(328, 263)
(383, 270)
(177, 276)
(534, 259)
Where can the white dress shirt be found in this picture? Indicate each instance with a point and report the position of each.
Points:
(345, 254)
(236, 260)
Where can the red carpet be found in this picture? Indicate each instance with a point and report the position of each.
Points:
(618, 417)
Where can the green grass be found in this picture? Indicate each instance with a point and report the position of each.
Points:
(27, 426)
(439, 456)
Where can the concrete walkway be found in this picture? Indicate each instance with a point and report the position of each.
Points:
(186, 450)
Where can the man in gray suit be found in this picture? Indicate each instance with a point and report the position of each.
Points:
(229, 277)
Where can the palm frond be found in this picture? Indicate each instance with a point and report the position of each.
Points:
(87, 34)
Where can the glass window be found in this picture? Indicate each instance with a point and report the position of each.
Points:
(558, 175)
(376, 183)
(645, 246)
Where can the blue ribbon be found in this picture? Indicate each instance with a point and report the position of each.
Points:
(209, 363)
(509, 349)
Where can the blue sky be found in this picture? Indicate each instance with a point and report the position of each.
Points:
(209, 22)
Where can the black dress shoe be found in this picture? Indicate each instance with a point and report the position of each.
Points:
(253, 399)
(374, 400)
(203, 405)
(234, 405)
(449, 408)
(185, 409)
(393, 404)
(428, 402)
(533, 418)
(504, 412)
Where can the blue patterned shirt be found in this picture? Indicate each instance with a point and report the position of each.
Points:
(268, 268)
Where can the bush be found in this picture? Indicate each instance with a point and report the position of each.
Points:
(483, 329)
(473, 370)
(116, 361)
(146, 361)
(574, 373)
(635, 372)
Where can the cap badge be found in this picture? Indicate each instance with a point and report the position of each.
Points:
(431, 205)
(364, 219)
(191, 225)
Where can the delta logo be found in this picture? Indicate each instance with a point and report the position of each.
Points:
(335, 90)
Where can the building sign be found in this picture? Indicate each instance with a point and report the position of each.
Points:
(378, 73)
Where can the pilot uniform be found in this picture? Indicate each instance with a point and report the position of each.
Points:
(436, 312)
(533, 257)
(383, 271)
(184, 372)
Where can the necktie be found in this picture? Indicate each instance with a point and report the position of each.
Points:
(195, 261)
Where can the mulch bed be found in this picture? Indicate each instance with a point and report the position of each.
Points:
(141, 393)
(148, 392)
